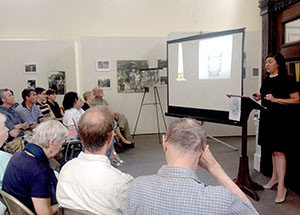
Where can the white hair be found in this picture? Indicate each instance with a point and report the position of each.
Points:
(2, 118)
(47, 130)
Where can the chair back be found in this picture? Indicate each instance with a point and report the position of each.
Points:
(68, 211)
(13, 205)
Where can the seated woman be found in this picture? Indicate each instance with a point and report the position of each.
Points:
(73, 111)
(51, 97)
(28, 175)
(4, 156)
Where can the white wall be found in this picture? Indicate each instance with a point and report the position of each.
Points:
(124, 48)
(71, 20)
(49, 56)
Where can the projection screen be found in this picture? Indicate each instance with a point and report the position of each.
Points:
(202, 70)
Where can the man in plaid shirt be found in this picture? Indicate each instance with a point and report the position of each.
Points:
(176, 189)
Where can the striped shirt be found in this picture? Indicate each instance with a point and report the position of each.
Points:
(177, 190)
(31, 116)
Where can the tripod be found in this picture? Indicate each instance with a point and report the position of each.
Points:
(156, 103)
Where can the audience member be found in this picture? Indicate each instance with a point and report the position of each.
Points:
(28, 175)
(124, 131)
(51, 97)
(4, 156)
(28, 110)
(72, 105)
(176, 189)
(41, 102)
(89, 182)
(88, 98)
(15, 124)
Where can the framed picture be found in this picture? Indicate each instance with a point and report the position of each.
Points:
(104, 82)
(30, 83)
(102, 65)
(254, 72)
(57, 82)
(30, 68)
(130, 77)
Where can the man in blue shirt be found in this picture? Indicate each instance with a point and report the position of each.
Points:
(28, 110)
(176, 189)
(15, 124)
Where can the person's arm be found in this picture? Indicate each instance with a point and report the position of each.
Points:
(294, 99)
(42, 206)
(209, 163)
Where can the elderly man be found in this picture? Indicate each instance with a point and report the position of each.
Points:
(176, 189)
(28, 110)
(89, 182)
(28, 175)
(120, 118)
(14, 122)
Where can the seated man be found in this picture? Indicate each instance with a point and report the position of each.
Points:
(176, 189)
(89, 182)
(14, 122)
(28, 175)
(41, 102)
(120, 118)
(28, 110)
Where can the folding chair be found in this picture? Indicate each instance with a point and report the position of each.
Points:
(13, 205)
(67, 211)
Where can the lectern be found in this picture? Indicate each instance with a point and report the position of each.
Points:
(243, 179)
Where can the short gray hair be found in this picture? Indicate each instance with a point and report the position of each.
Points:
(2, 118)
(2, 94)
(47, 130)
(187, 135)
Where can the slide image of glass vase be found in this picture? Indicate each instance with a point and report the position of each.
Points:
(214, 64)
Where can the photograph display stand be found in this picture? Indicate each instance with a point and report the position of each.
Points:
(243, 179)
(156, 103)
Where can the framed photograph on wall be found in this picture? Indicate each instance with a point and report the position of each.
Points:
(254, 72)
(102, 65)
(57, 82)
(30, 68)
(30, 83)
(104, 83)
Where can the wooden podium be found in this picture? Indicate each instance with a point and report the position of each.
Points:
(243, 179)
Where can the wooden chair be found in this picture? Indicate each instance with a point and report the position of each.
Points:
(13, 205)
(68, 211)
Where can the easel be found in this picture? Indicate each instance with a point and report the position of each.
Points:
(156, 103)
(243, 179)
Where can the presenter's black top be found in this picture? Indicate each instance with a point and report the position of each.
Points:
(276, 123)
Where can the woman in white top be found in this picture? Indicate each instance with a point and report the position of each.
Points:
(72, 105)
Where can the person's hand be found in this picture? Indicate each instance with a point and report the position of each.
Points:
(25, 125)
(256, 96)
(270, 97)
(207, 160)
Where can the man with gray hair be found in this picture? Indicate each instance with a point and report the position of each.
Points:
(28, 175)
(176, 189)
(89, 182)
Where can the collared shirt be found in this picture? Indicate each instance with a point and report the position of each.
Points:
(12, 117)
(89, 182)
(177, 190)
(31, 116)
(99, 102)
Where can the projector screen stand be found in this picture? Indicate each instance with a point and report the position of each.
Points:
(219, 141)
(156, 103)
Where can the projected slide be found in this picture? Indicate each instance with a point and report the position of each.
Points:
(203, 69)
(215, 58)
